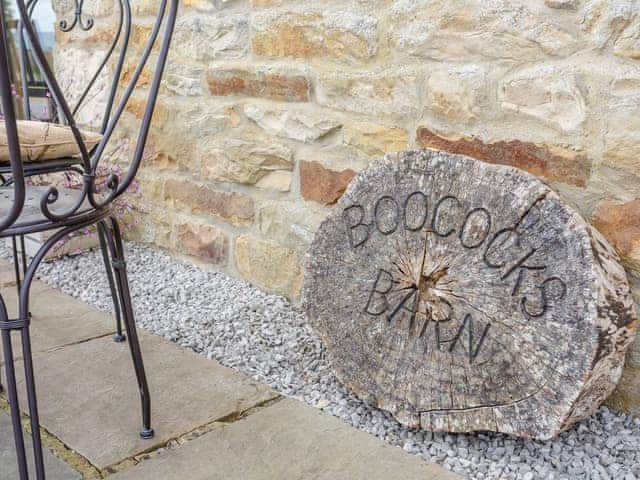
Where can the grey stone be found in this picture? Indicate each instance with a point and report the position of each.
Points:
(462, 296)
(55, 468)
(7, 277)
(285, 441)
(58, 319)
(88, 396)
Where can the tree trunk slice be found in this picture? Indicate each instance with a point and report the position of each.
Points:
(464, 296)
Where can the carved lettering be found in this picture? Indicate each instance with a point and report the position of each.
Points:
(386, 213)
(357, 230)
(436, 215)
(420, 204)
(383, 284)
(484, 218)
(472, 350)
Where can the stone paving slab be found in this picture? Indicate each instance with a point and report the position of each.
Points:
(88, 396)
(58, 319)
(287, 440)
(55, 468)
(7, 276)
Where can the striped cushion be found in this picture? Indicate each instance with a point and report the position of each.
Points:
(41, 141)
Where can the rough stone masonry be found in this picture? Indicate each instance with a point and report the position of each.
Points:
(269, 107)
(465, 296)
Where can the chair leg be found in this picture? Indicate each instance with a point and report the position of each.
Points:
(32, 401)
(114, 241)
(22, 325)
(119, 336)
(12, 396)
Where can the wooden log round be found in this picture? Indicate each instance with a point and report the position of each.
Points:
(462, 296)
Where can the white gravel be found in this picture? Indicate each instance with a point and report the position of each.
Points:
(264, 336)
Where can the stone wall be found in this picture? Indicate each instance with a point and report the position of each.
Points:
(269, 107)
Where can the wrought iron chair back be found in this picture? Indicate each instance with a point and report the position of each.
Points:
(117, 53)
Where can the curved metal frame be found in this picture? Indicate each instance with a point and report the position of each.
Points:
(88, 209)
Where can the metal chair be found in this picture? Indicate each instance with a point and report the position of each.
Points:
(25, 209)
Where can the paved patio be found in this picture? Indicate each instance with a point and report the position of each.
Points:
(211, 422)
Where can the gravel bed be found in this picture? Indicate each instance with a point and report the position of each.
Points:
(264, 336)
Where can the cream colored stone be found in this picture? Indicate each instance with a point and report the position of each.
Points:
(476, 30)
(622, 135)
(550, 95)
(331, 34)
(390, 93)
(186, 128)
(290, 223)
(244, 162)
(303, 125)
(210, 5)
(268, 265)
(375, 140)
(74, 80)
(99, 8)
(184, 81)
(604, 21)
(455, 94)
(628, 45)
(279, 180)
(208, 37)
(145, 7)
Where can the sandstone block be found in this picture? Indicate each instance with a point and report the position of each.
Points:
(273, 85)
(321, 184)
(268, 265)
(137, 105)
(208, 37)
(302, 125)
(244, 162)
(375, 140)
(145, 7)
(604, 22)
(622, 134)
(278, 180)
(379, 94)
(289, 223)
(476, 30)
(456, 94)
(233, 207)
(183, 80)
(187, 125)
(210, 5)
(74, 80)
(343, 36)
(100, 8)
(204, 241)
(548, 161)
(620, 224)
(547, 93)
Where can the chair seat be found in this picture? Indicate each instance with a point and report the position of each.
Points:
(44, 166)
(41, 141)
(32, 219)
